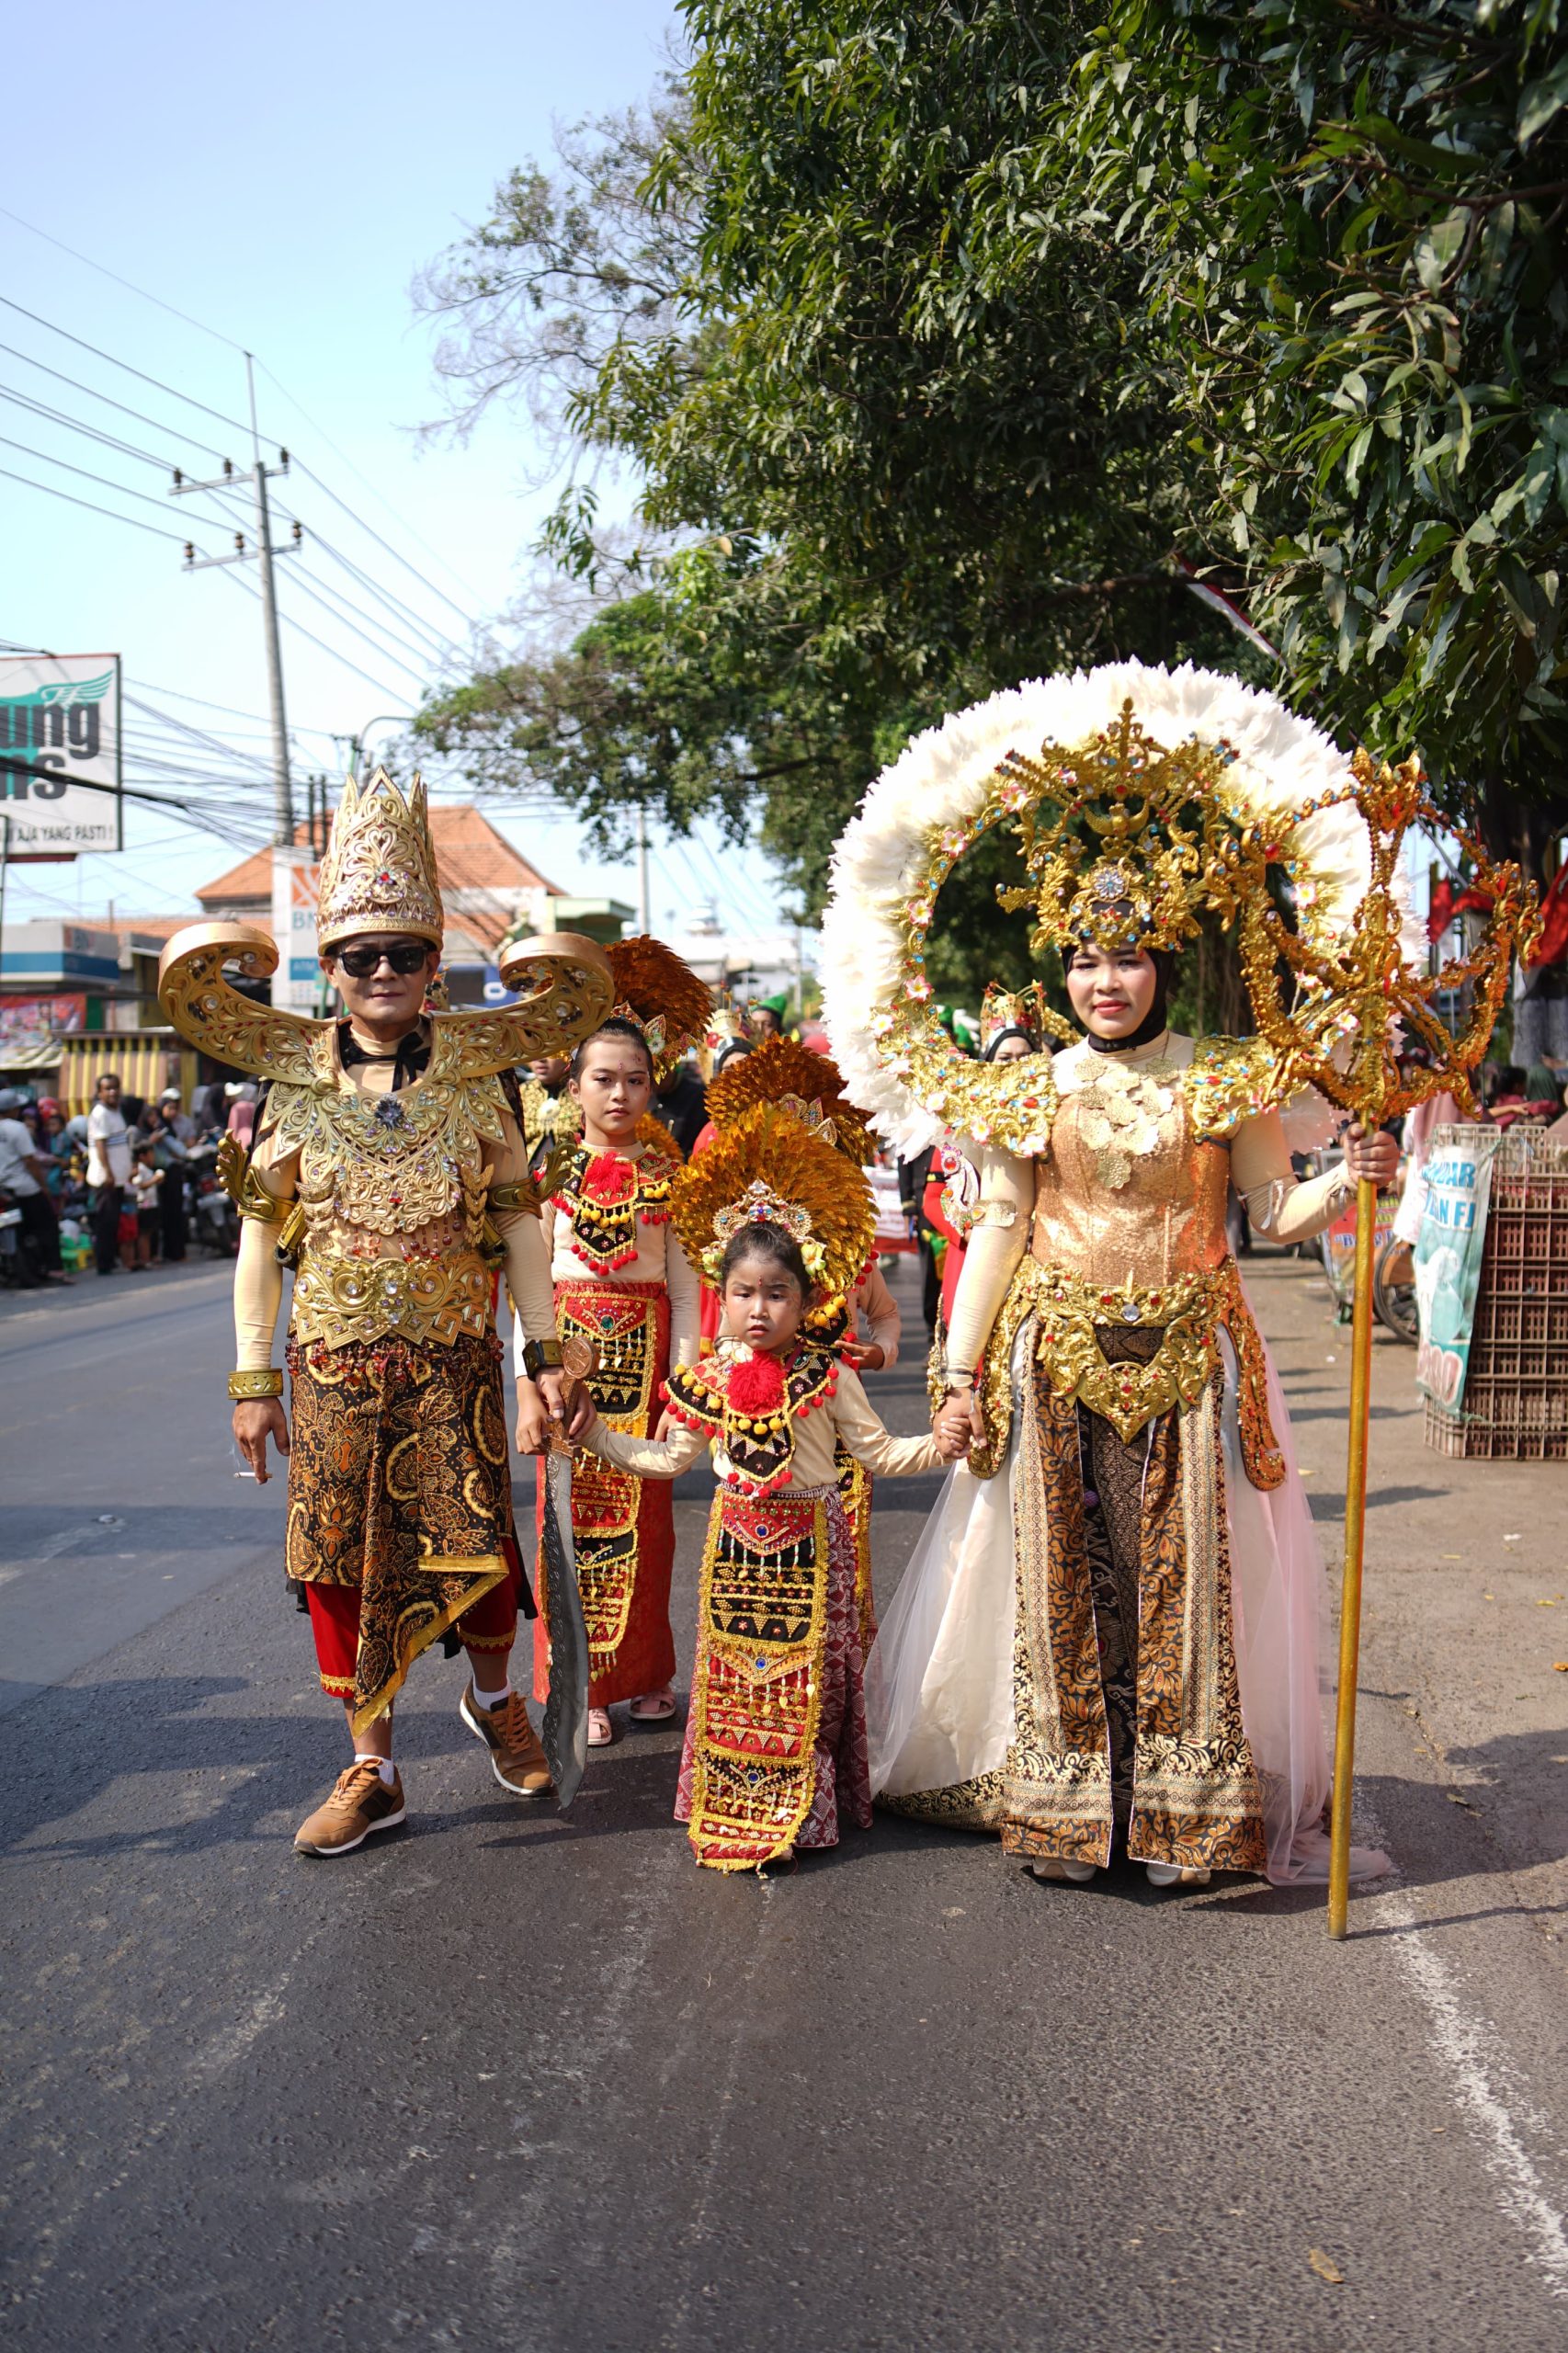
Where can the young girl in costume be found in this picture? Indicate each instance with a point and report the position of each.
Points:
(776, 1739)
(782, 1071)
(623, 1283)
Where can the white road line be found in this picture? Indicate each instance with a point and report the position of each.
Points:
(1480, 2076)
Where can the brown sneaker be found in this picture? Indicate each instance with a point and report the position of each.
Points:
(516, 1757)
(361, 1802)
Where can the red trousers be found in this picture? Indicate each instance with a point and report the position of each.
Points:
(490, 1625)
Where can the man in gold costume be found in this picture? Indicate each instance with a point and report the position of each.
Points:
(389, 1171)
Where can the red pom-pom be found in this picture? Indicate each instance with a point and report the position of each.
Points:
(607, 1178)
(756, 1385)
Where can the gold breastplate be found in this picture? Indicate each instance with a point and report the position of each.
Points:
(1128, 1192)
(393, 1188)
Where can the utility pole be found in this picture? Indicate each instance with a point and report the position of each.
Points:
(644, 918)
(282, 785)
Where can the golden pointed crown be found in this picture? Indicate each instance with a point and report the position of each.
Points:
(1125, 842)
(379, 873)
(727, 1026)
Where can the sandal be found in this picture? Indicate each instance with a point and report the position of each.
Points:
(655, 1707)
(601, 1731)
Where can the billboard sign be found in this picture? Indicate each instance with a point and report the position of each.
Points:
(1448, 1257)
(60, 753)
(296, 877)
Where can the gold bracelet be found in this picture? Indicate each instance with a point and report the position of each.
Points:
(264, 1380)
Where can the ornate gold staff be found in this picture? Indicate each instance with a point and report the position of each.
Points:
(1339, 1036)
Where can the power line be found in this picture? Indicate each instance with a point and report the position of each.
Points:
(49, 491)
(105, 481)
(313, 591)
(78, 424)
(465, 618)
(94, 394)
(61, 246)
(140, 375)
(380, 684)
(374, 587)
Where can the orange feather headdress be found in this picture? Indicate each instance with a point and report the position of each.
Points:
(782, 1071)
(770, 1168)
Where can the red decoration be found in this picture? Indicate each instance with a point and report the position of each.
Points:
(607, 1178)
(756, 1385)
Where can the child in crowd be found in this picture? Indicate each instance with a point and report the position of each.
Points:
(147, 1181)
(776, 1738)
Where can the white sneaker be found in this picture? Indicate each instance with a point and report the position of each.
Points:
(1054, 1867)
(1176, 1875)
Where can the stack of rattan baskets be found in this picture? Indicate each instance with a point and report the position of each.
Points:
(1515, 1405)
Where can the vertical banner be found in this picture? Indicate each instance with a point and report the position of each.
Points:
(1448, 1257)
(296, 874)
(60, 752)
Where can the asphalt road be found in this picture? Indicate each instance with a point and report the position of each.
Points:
(524, 2082)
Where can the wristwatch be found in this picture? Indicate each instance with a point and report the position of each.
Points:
(542, 1356)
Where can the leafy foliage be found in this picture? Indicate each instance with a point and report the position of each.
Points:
(1348, 218)
(927, 336)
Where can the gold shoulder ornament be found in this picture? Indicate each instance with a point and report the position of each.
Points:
(564, 979)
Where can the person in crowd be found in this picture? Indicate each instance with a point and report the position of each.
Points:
(624, 1286)
(389, 1167)
(24, 1187)
(1543, 1093)
(766, 1015)
(146, 1183)
(178, 1121)
(542, 1093)
(680, 1104)
(172, 1162)
(108, 1168)
(775, 1752)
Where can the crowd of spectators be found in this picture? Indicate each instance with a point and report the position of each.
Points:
(114, 1184)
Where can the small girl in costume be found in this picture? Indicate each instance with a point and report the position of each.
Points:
(623, 1283)
(776, 1739)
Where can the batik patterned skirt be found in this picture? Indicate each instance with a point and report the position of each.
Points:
(399, 1485)
(622, 1527)
(775, 1752)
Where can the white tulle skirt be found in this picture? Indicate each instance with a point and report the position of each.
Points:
(939, 1684)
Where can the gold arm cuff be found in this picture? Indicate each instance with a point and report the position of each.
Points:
(262, 1380)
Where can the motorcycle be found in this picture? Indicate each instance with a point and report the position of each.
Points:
(214, 1222)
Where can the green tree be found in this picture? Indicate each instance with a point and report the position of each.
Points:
(885, 455)
(1347, 217)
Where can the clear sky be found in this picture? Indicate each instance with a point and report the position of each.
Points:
(278, 175)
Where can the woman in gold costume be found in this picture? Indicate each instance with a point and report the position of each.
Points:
(1109, 1634)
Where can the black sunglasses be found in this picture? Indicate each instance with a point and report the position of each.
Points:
(405, 957)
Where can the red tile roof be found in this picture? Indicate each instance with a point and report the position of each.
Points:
(471, 855)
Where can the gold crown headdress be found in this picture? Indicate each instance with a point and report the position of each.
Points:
(379, 873)
(769, 1168)
(1026, 1008)
(1126, 843)
(807, 1085)
(727, 1026)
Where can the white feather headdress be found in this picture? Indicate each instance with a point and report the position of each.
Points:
(941, 780)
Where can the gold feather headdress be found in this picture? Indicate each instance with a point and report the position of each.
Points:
(782, 1071)
(769, 1168)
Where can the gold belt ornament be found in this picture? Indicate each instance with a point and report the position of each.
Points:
(1187, 1312)
(340, 1300)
